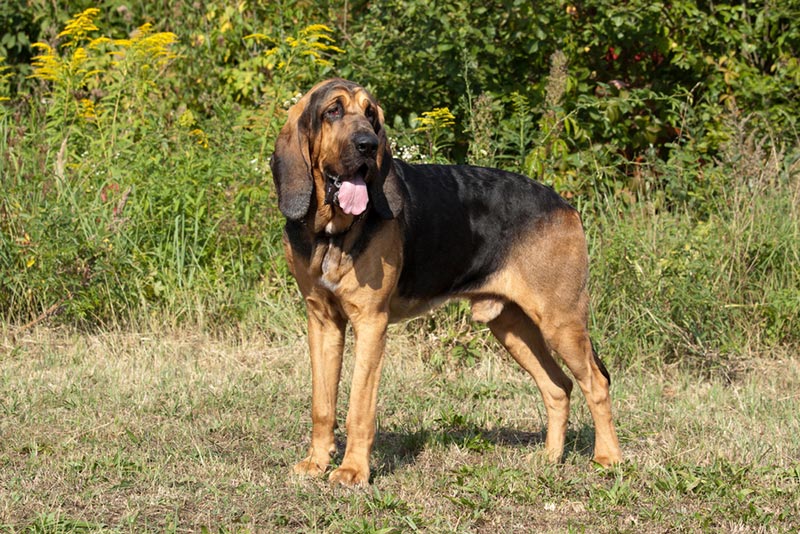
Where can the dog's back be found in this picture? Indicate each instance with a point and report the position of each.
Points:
(460, 221)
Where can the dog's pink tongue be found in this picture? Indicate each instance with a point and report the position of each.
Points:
(353, 196)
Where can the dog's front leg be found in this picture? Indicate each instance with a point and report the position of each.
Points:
(326, 327)
(370, 334)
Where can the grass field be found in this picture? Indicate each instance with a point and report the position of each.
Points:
(181, 432)
(153, 364)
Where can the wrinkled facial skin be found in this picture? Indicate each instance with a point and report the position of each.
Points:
(334, 135)
(350, 138)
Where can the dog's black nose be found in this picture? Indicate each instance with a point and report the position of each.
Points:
(366, 143)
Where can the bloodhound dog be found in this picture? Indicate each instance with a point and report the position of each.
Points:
(371, 240)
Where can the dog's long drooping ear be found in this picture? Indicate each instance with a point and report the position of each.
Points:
(291, 166)
(384, 190)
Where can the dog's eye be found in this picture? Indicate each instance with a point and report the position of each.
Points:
(333, 112)
(370, 112)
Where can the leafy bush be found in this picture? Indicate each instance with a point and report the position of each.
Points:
(131, 203)
(700, 285)
(642, 79)
(134, 142)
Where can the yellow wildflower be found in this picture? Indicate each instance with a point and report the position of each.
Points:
(95, 43)
(186, 119)
(78, 59)
(312, 41)
(200, 135)
(79, 27)
(438, 118)
(313, 34)
(144, 45)
(259, 37)
(87, 110)
(316, 29)
(47, 65)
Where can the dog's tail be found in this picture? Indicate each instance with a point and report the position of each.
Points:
(600, 364)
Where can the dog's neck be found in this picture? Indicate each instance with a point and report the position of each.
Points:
(329, 219)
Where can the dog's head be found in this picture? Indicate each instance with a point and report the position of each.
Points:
(335, 135)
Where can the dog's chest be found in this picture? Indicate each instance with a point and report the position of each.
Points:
(330, 263)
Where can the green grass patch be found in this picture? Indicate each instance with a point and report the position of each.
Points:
(153, 369)
(176, 430)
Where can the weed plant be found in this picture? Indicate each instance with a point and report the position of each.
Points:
(152, 370)
(121, 204)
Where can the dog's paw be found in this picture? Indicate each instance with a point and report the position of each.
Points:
(350, 477)
(607, 454)
(309, 468)
(606, 461)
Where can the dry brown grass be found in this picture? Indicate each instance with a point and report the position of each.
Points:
(176, 431)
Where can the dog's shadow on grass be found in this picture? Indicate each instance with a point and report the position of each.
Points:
(394, 450)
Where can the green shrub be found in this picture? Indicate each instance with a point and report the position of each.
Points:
(701, 288)
(133, 154)
(114, 201)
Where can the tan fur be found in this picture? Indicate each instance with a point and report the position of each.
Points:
(536, 305)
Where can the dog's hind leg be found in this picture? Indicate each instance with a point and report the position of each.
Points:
(523, 340)
(549, 275)
(570, 339)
